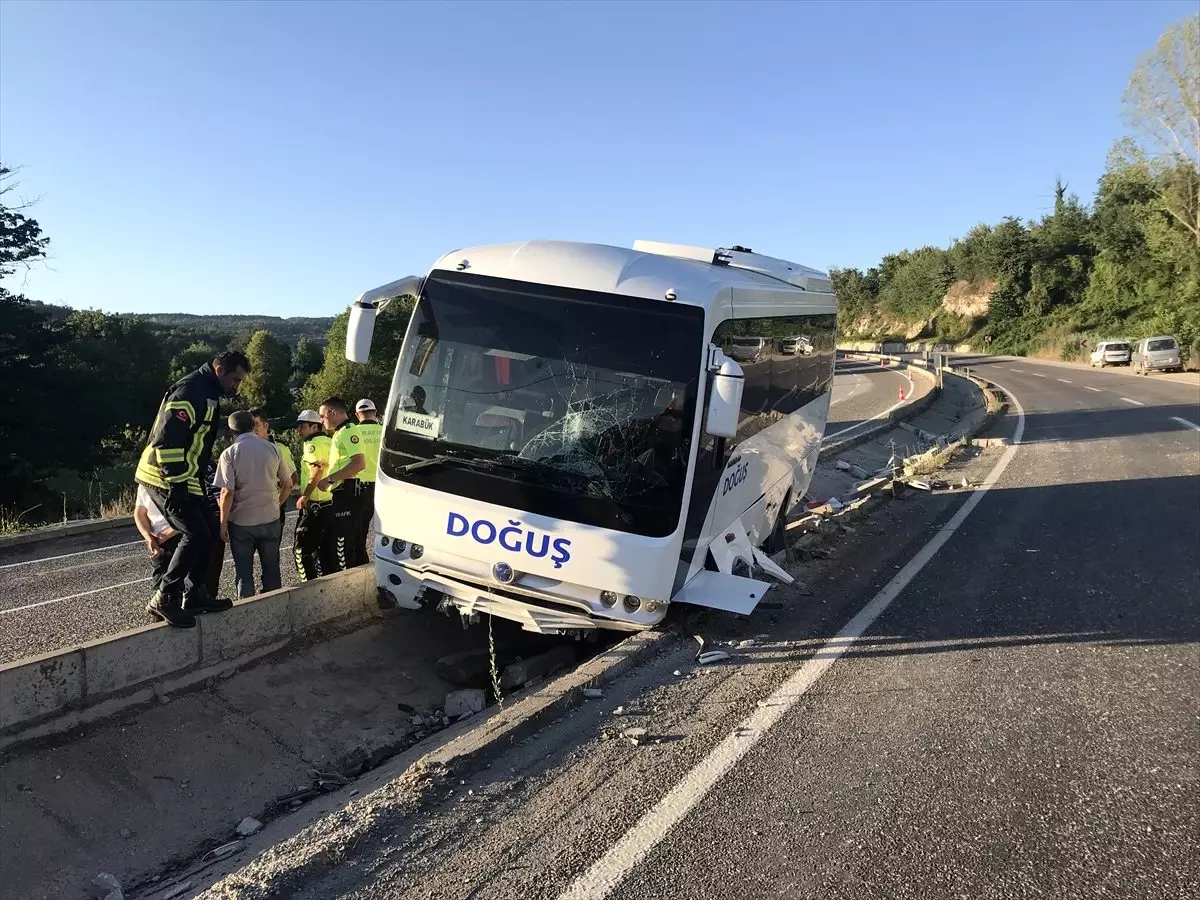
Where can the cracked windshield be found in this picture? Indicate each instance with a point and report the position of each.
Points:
(535, 396)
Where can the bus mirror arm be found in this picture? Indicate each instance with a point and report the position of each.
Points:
(725, 398)
(361, 327)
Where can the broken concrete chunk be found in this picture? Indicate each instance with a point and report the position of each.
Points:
(843, 465)
(858, 472)
(469, 700)
(249, 826)
(593, 693)
(539, 666)
(105, 884)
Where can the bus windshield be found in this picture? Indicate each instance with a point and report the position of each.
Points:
(559, 402)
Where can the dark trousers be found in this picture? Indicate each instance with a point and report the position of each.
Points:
(191, 559)
(364, 512)
(313, 537)
(343, 530)
(212, 579)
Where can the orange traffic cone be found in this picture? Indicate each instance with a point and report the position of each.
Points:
(900, 391)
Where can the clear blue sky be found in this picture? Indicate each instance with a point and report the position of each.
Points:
(281, 158)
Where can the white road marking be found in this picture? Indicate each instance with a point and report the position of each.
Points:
(1134, 402)
(1040, 375)
(1097, 390)
(1022, 371)
(877, 416)
(1185, 423)
(111, 587)
(44, 559)
(608, 871)
(1063, 380)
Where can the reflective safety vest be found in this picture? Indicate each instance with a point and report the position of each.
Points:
(315, 452)
(181, 439)
(370, 435)
(344, 444)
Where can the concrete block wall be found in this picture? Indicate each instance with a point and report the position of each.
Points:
(133, 666)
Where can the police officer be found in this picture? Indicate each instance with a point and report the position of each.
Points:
(171, 469)
(314, 524)
(346, 460)
(370, 434)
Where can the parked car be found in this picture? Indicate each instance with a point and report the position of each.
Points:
(1111, 353)
(1157, 354)
(747, 349)
(792, 346)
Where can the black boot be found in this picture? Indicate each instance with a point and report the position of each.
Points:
(199, 600)
(170, 610)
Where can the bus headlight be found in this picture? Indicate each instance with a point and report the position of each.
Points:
(608, 598)
(398, 546)
(417, 551)
(632, 603)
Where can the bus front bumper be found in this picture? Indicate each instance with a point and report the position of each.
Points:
(402, 588)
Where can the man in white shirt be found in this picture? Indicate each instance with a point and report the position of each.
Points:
(160, 537)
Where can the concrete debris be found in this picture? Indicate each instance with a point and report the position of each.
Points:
(749, 642)
(526, 670)
(919, 485)
(635, 735)
(677, 673)
(105, 884)
(418, 721)
(712, 656)
(858, 472)
(469, 700)
(843, 465)
(221, 852)
(249, 826)
(593, 693)
(619, 711)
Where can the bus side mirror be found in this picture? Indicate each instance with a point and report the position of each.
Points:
(725, 400)
(359, 331)
(361, 327)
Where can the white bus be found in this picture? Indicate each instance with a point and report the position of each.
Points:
(568, 443)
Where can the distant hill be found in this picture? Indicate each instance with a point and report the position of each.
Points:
(287, 330)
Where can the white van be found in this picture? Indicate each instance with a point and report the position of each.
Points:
(567, 446)
(1157, 354)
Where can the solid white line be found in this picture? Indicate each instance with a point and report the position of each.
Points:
(1022, 371)
(44, 559)
(1063, 380)
(111, 587)
(1134, 402)
(1097, 390)
(1040, 375)
(1185, 423)
(636, 844)
(8, 612)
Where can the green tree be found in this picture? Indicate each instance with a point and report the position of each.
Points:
(352, 381)
(307, 359)
(1162, 104)
(190, 359)
(270, 368)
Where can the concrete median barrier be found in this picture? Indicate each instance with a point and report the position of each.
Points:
(52, 693)
(66, 530)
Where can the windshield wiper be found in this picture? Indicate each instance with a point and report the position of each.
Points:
(439, 458)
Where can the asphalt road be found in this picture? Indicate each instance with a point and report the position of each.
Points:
(985, 694)
(60, 593)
